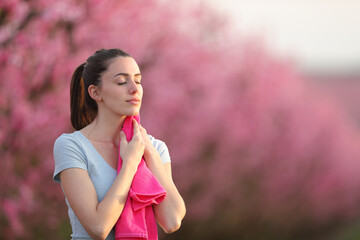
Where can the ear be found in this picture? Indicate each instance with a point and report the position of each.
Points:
(94, 92)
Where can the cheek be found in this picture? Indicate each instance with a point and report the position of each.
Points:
(112, 90)
(141, 91)
(111, 95)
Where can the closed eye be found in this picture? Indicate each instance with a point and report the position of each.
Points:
(137, 80)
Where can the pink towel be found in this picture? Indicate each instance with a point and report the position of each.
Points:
(137, 221)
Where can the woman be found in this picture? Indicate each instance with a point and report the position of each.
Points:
(104, 91)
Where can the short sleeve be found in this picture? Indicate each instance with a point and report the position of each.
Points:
(68, 153)
(162, 149)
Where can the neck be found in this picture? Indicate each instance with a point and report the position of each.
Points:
(106, 129)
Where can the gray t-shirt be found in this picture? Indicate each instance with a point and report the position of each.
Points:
(74, 150)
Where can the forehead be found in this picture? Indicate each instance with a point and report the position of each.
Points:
(122, 65)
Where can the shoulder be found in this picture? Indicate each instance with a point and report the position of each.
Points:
(67, 138)
(156, 142)
(161, 147)
(68, 143)
(68, 152)
(63, 139)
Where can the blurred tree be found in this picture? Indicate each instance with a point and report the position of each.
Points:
(256, 153)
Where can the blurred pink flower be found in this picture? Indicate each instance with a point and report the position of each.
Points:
(251, 143)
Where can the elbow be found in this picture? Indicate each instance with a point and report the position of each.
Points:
(98, 233)
(172, 226)
(172, 222)
(175, 223)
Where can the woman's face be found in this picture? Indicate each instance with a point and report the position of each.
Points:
(121, 91)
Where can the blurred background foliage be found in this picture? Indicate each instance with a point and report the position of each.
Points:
(257, 151)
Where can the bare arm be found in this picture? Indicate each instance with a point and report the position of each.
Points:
(98, 218)
(170, 212)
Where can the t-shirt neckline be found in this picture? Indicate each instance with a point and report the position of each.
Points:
(88, 142)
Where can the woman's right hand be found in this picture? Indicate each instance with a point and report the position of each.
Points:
(132, 152)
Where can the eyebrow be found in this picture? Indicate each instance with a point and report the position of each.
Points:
(127, 74)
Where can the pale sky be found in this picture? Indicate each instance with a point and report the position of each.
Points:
(320, 35)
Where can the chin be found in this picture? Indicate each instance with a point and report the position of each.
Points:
(133, 113)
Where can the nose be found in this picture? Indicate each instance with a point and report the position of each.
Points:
(133, 88)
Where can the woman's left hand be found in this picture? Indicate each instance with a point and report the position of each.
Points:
(171, 211)
(149, 148)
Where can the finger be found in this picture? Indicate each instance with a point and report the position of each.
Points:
(122, 138)
(136, 127)
(143, 131)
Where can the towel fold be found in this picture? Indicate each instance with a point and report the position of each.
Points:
(137, 220)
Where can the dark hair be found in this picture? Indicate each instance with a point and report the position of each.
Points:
(83, 108)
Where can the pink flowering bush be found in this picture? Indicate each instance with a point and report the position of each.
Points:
(256, 153)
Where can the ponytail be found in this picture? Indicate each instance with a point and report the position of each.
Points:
(80, 114)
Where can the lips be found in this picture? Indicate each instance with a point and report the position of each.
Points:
(133, 101)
